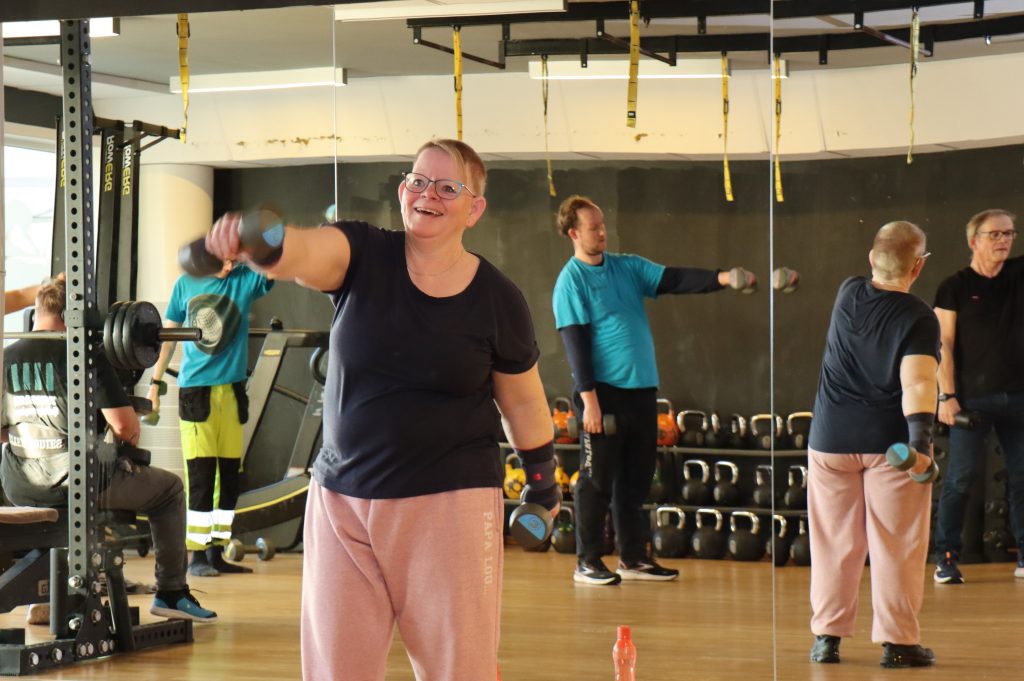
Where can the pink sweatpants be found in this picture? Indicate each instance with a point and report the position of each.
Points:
(430, 564)
(858, 504)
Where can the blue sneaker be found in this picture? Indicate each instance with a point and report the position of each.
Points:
(1019, 572)
(181, 605)
(946, 571)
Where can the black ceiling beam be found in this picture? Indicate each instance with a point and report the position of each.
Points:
(34, 10)
(796, 9)
(589, 11)
(755, 42)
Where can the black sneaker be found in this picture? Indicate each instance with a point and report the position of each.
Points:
(898, 656)
(594, 572)
(647, 570)
(946, 571)
(825, 649)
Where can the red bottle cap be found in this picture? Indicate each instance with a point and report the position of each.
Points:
(624, 633)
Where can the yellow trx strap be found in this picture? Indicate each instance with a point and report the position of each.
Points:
(778, 127)
(457, 49)
(634, 62)
(544, 96)
(915, 46)
(725, 126)
(183, 35)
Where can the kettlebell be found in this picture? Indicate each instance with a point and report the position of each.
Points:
(777, 545)
(796, 494)
(515, 477)
(668, 431)
(563, 537)
(561, 411)
(798, 425)
(764, 431)
(726, 493)
(659, 489)
(715, 437)
(670, 540)
(764, 492)
(693, 424)
(800, 550)
(695, 490)
(738, 432)
(707, 541)
(745, 543)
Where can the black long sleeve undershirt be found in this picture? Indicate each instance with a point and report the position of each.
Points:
(689, 280)
(579, 351)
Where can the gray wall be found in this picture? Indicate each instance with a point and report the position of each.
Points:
(714, 350)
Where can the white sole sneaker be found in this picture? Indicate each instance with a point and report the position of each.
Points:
(641, 576)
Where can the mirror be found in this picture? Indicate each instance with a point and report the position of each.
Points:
(846, 170)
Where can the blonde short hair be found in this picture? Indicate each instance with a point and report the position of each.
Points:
(896, 249)
(51, 297)
(469, 162)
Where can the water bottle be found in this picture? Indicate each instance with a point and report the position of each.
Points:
(624, 656)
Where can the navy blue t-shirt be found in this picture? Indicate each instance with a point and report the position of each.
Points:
(989, 337)
(409, 400)
(858, 408)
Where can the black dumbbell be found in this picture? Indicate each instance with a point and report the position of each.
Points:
(531, 525)
(236, 550)
(968, 420)
(742, 280)
(903, 457)
(785, 280)
(608, 425)
(260, 233)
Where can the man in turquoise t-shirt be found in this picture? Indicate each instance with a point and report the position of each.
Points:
(212, 403)
(599, 311)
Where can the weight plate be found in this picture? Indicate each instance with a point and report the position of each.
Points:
(119, 359)
(145, 324)
(108, 333)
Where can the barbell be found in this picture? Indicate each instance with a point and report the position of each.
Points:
(132, 335)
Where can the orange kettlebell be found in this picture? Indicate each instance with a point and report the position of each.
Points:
(560, 418)
(515, 477)
(668, 431)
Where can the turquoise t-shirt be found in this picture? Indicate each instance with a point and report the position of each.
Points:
(220, 307)
(610, 298)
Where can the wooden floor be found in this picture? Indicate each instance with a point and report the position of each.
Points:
(714, 624)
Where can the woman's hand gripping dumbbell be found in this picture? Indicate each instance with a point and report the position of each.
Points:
(256, 236)
(531, 522)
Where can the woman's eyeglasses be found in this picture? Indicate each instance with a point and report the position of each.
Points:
(446, 189)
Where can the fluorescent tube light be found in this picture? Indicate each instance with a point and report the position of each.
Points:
(102, 27)
(618, 69)
(262, 80)
(420, 9)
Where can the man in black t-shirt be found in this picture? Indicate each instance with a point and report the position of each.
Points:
(877, 387)
(981, 312)
(35, 463)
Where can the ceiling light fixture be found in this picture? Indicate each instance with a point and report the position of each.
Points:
(262, 80)
(420, 9)
(618, 69)
(102, 27)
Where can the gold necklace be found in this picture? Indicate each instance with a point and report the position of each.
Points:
(436, 274)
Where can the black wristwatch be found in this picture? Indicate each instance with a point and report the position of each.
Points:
(946, 396)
